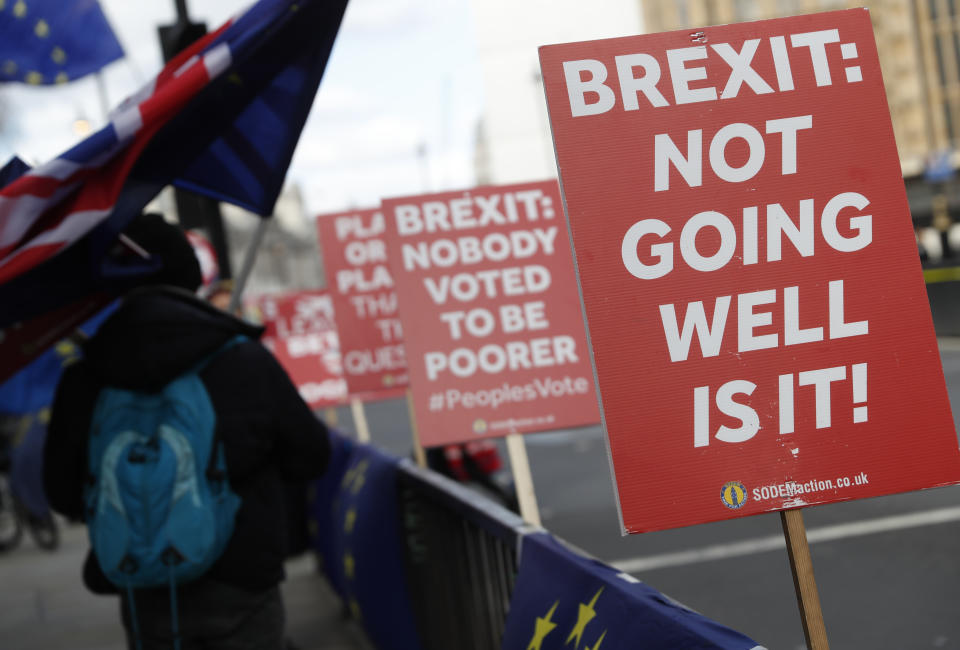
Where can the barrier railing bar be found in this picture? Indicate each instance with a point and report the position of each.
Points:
(488, 582)
(461, 555)
(477, 508)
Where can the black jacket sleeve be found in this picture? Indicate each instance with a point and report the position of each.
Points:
(303, 444)
(263, 418)
(65, 451)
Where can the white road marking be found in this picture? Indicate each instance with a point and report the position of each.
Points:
(775, 542)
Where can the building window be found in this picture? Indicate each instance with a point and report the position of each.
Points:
(932, 4)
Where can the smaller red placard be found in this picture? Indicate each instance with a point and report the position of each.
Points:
(361, 286)
(490, 308)
(301, 334)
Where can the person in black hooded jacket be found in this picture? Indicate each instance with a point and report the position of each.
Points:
(270, 438)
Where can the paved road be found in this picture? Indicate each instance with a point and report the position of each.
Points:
(886, 582)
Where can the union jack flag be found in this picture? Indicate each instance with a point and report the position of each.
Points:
(221, 119)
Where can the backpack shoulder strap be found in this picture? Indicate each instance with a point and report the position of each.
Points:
(212, 471)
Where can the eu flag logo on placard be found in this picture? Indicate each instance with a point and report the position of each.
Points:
(45, 42)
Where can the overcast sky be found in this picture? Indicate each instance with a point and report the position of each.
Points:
(403, 76)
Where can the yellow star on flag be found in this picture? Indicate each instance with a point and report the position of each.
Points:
(585, 614)
(42, 29)
(348, 566)
(542, 628)
(20, 9)
(599, 641)
(358, 483)
(359, 476)
(349, 520)
(355, 608)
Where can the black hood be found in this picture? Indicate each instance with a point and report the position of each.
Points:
(156, 334)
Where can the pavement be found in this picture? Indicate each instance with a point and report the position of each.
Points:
(44, 605)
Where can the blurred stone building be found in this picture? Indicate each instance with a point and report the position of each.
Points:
(919, 46)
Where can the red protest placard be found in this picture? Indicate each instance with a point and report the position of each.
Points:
(361, 284)
(491, 313)
(760, 329)
(301, 334)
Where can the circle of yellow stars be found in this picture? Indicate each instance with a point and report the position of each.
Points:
(41, 30)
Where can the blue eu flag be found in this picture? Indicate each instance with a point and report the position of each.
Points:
(369, 549)
(46, 42)
(565, 601)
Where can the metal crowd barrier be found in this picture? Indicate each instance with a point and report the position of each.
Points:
(462, 553)
(424, 562)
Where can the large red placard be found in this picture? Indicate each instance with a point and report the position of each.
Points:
(299, 330)
(491, 314)
(359, 277)
(760, 329)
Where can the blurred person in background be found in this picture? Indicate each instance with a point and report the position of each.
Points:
(269, 436)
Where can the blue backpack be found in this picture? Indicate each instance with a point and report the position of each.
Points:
(159, 507)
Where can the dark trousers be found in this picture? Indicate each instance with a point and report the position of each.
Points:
(211, 616)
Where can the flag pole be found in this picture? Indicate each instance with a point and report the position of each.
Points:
(801, 566)
(248, 260)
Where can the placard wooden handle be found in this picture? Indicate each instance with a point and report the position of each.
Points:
(418, 454)
(802, 568)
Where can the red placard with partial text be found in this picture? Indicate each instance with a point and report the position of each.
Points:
(491, 313)
(361, 284)
(760, 328)
(299, 330)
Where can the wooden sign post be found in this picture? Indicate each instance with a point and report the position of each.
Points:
(418, 453)
(359, 420)
(801, 566)
(330, 416)
(523, 479)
